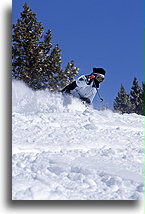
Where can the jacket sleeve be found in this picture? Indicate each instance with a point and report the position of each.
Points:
(81, 81)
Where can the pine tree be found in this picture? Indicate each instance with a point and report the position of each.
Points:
(33, 59)
(122, 102)
(25, 49)
(59, 77)
(42, 63)
(67, 76)
(142, 98)
(54, 67)
(71, 71)
(136, 97)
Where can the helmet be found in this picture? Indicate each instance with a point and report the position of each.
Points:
(99, 74)
(99, 71)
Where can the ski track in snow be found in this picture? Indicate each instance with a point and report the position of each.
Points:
(63, 150)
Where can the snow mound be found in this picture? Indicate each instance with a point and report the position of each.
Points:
(64, 150)
(25, 100)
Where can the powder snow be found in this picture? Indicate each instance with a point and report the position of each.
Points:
(64, 150)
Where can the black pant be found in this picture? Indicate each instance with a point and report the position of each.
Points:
(69, 87)
(87, 100)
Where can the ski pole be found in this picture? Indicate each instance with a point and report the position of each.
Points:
(101, 99)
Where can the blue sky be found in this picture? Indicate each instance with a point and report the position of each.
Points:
(96, 33)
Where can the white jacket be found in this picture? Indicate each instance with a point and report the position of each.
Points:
(83, 89)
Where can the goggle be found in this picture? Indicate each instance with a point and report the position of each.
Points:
(100, 77)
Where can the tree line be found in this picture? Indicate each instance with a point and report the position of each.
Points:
(34, 59)
(132, 102)
(39, 64)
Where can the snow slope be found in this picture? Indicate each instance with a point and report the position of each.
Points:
(63, 150)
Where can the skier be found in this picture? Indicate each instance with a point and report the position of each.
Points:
(86, 86)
